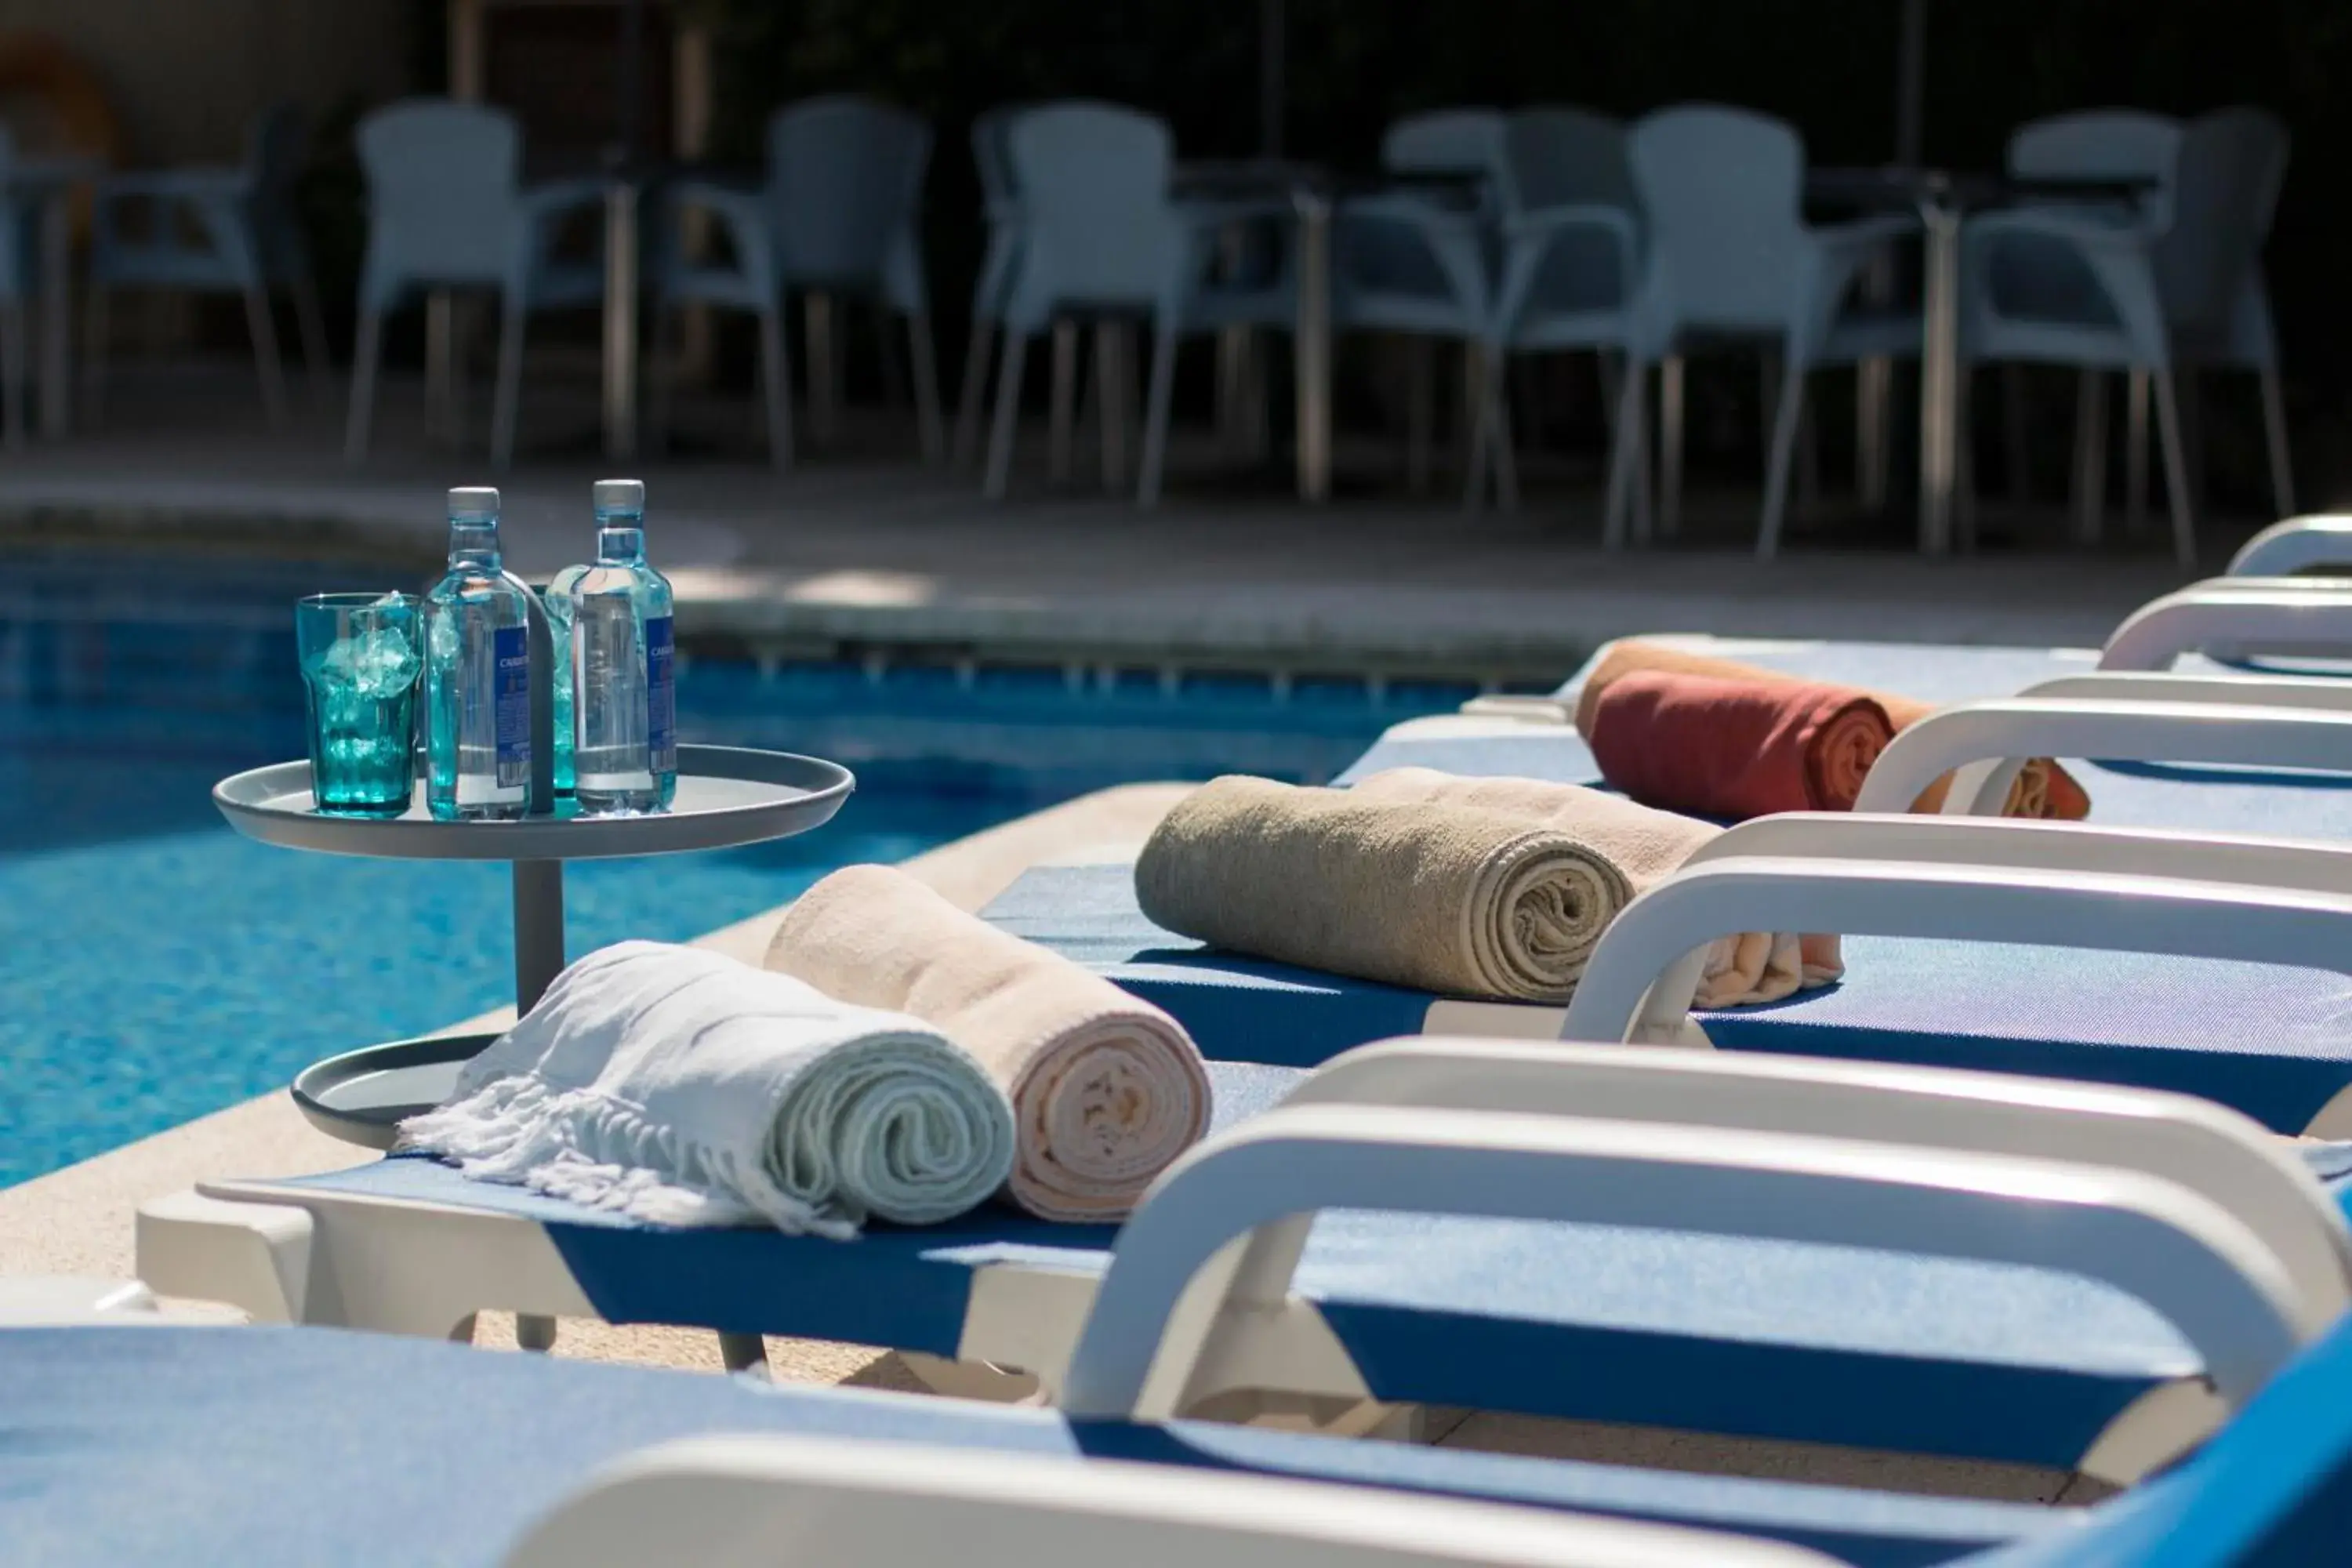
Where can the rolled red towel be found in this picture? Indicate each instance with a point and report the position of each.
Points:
(1736, 749)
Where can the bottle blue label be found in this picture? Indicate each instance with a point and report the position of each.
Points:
(661, 695)
(510, 696)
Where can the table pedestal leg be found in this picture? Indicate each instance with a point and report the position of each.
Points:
(538, 929)
(538, 958)
(1313, 351)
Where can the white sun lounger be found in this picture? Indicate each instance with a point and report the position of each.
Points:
(1702, 1326)
(304, 1446)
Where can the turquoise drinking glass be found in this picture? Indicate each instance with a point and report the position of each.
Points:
(360, 659)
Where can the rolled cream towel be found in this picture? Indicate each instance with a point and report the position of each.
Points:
(1106, 1089)
(1418, 878)
(2043, 788)
(680, 1087)
(1736, 749)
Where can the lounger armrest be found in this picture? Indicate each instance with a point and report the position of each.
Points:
(2223, 1156)
(1988, 742)
(861, 1500)
(2285, 548)
(2247, 860)
(1157, 1305)
(2272, 615)
(1644, 973)
(2315, 692)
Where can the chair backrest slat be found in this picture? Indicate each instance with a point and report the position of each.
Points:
(2104, 144)
(1093, 179)
(1721, 192)
(1559, 156)
(2233, 162)
(442, 182)
(844, 183)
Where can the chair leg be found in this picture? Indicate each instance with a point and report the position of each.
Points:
(265, 355)
(1504, 453)
(510, 393)
(1670, 446)
(1491, 450)
(443, 424)
(1964, 458)
(2134, 453)
(1111, 384)
(366, 352)
(1789, 410)
(1420, 410)
(1874, 378)
(2015, 459)
(1626, 453)
(776, 388)
(1809, 461)
(665, 358)
(1609, 370)
(1476, 431)
(1156, 410)
(2089, 456)
(928, 425)
(96, 329)
(311, 326)
(894, 377)
(971, 393)
(1062, 412)
(2188, 393)
(823, 367)
(2274, 434)
(15, 383)
(2176, 470)
(1008, 415)
(1232, 387)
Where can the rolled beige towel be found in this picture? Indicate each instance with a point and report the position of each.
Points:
(1649, 846)
(1106, 1089)
(1487, 887)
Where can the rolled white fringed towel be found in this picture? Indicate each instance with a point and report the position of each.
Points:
(1106, 1089)
(680, 1087)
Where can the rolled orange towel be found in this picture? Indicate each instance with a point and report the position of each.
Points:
(1736, 749)
(2042, 789)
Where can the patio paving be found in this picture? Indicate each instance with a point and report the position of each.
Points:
(863, 547)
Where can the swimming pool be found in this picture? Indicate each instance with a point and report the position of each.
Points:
(158, 966)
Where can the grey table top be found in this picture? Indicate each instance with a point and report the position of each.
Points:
(726, 796)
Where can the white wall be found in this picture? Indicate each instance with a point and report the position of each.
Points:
(186, 76)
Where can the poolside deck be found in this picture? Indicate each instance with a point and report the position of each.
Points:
(859, 546)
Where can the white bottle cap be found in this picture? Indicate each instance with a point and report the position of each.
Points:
(620, 495)
(474, 501)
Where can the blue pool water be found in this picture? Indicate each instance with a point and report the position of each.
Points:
(154, 965)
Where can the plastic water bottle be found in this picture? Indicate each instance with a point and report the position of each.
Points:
(558, 601)
(624, 734)
(476, 674)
